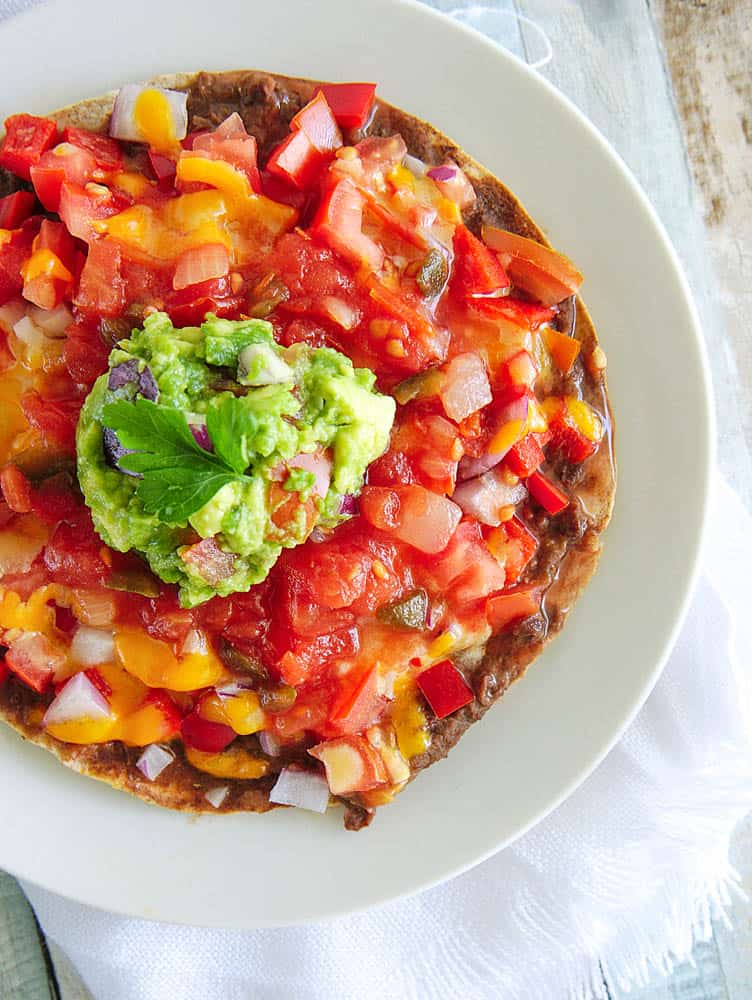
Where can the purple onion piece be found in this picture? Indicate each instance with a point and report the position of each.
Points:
(349, 505)
(201, 436)
(147, 385)
(123, 374)
(444, 173)
(114, 451)
(470, 467)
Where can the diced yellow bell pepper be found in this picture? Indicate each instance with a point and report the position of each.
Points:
(241, 711)
(234, 762)
(155, 663)
(584, 417)
(441, 646)
(84, 731)
(131, 182)
(188, 211)
(34, 615)
(402, 177)
(507, 435)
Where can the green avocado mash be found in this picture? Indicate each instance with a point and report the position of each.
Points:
(189, 436)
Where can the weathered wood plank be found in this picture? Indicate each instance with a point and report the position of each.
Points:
(23, 972)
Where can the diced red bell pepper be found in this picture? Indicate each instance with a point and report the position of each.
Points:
(16, 489)
(101, 289)
(16, 207)
(477, 270)
(209, 737)
(524, 457)
(164, 169)
(55, 419)
(548, 495)
(33, 659)
(524, 314)
(351, 103)
(339, 222)
(319, 124)
(106, 151)
(26, 138)
(444, 688)
(297, 160)
(358, 704)
(567, 439)
(512, 606)
(189, 306)
(167, 709)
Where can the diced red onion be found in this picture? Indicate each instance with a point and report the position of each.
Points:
(79, 699)
(349, 505)
(304, 789)
(114, 451)
(443, 173)
(232, 689)
(92, 646)
(482, 498)
(154, 760)
(147, 385)
(319, 465)
(123, 374)
(216, 796)
(123, 120)
(269, 744)
(201, 436)
(465, 388)
(319, 535)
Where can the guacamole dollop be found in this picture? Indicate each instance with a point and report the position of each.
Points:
(210, 449)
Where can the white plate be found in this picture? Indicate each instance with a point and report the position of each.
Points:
(82, 839)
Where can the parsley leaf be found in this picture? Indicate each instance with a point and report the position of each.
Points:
(226, 425)
(179, 477)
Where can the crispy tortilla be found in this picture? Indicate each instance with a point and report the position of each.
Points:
(570, 544)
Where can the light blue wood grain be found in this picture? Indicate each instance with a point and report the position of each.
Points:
(23, 972)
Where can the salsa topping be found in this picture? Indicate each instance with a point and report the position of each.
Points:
(284, 442)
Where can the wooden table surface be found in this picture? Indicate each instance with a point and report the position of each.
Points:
(669, 82)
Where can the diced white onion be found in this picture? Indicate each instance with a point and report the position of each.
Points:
(27, 331)
(414, 165)
(91, 646)
(259, 364)
(11, 313)
(319, 466)
(123, 120)
(17, 551)
(269, 744)
(54, 322)
(194, 642)
(216, 796)
(79, 699)
(483, 497)
(340, 312)
(94, 607)
(154, 760)
(304, 789)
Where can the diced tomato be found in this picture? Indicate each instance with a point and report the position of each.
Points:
(190, 139)
(26, 139)
(4, 671)
(164, 169)
(189, 306)
(281, 190)
(230, 142)
(50, 269)
(465, 566)
(15, 208)
(199, 264)
(358, 704)
(563, 349)
(73, 556)
(297, 160)
(351, 765)
(308, 714)
(85, 354)
(519, 371)
(339, 224)
(106, 151)
(53, 500)
(394, 468)
(80, 207)
(524, 457)
(351, 103)
(55, 419)
(63, 163)
(444, 688)
(514, 605)
(477, 270)
(548, 495)
(565, 434)
(535, 268)
(101, 289)
(13, 255)
(413, 514)
(34, 660)
(209, 737)
(525, 314)
(16, 489)
(319, 124)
